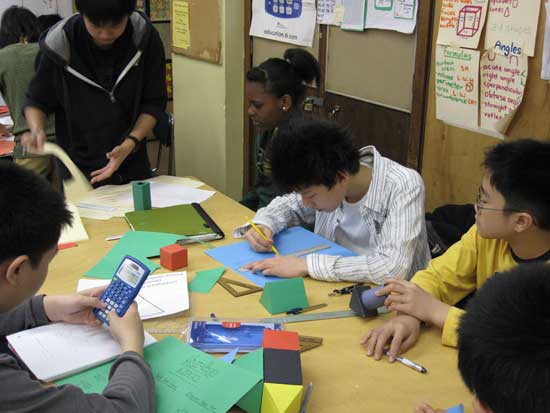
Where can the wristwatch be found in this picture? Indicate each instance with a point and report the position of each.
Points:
(136, 142)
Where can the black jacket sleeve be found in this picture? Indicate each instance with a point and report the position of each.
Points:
(42, 91)
(154, 95)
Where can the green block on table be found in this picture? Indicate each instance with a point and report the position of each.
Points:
(141, 191)
(205, 280)
(284, 295)
(186, 379)
(254, 363)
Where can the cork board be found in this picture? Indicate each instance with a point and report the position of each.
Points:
(196, 29)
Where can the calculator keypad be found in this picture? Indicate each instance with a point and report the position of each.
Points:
(116, 297)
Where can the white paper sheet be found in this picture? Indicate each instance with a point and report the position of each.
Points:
(57, 350)
(545, 65)
(398, 15)
(115, 200)
(76, 232)
(330, 12)
(290, 21)
(461, 22)
(161, 295)
(354, 15)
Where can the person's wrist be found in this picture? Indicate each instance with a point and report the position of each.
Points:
(135, 142)
(51, 308)
(132, 345)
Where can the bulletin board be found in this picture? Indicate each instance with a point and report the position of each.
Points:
(384, 60)
(196, 29)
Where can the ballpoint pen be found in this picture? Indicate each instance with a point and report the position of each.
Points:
(408, 363)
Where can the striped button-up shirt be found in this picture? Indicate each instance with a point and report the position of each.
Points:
(393, 211)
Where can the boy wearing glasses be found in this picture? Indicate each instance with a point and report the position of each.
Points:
(512, 227)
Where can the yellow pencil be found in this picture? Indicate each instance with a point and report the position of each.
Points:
(259, 231)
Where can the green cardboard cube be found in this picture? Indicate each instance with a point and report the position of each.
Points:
(285, 295)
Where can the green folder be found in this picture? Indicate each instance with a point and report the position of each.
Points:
(192, 221)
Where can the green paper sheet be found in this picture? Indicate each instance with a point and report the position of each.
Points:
(205, 280)
(253, 362)
(138, 244)
(186, 379)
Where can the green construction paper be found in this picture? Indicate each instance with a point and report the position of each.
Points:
(284, 295)
(253, 362)
(205, 280)
(138, 244)
(186, 379)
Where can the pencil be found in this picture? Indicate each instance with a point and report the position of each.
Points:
(259, 231)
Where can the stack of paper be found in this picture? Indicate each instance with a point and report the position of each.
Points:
(76, 232)
(58, 350)
(115, 200)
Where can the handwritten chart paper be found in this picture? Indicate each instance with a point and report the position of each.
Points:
(180, 29)
(503, 81)
(512, 26)
(330, 12)
(284, 21)
(461, 22)
(398, 15)
(456, 85)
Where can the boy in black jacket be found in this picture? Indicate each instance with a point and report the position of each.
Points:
(103, 74)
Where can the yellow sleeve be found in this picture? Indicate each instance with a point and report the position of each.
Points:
(452, 276)
(449, 337)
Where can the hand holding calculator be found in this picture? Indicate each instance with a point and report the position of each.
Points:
(124, 288)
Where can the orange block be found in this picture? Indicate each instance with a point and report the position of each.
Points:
(173, 257)
(281, 340)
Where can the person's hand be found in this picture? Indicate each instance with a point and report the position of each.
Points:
(426, 408)
(34, 140)
(75, 308)
(127, 330)
(281, 266)
(403, 330)
(257, 243)
(115, 157)
(408, 298)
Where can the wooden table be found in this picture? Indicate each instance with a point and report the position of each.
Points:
(344, 378)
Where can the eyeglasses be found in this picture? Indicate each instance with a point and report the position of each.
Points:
(480, 208)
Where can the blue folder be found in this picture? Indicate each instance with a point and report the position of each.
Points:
(289, 241)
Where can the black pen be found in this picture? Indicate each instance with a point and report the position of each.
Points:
(408, 363)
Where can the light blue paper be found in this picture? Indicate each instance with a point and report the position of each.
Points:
(294, 239)
(138, 244)
(229, 357)
(457, 409)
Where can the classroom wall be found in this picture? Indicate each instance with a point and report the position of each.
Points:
(452, 156)
(208, 109)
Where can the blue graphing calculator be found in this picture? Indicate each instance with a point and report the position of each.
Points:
(124, 287)
(286, 9)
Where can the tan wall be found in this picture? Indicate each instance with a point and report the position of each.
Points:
(452, 156)
(208, 109)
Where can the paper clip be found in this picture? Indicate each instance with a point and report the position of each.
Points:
(343, 291)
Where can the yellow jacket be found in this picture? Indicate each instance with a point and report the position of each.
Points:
(463, 268)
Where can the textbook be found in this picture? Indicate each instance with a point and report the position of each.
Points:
(191, 221)
(58, 350)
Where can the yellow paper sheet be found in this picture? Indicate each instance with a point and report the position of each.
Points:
(180, 25)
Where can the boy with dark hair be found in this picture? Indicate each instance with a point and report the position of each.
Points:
(33, 215)
(103, 74)
(512, 227)
(357, 198)
(504, 343)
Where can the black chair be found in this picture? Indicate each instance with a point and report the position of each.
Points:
(164, 134)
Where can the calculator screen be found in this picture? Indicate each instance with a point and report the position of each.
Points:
(130, 272)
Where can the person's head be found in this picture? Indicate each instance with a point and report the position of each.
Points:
(18, 25)
(504, 342)
(33, 214)
(277, 86)
(316, 159)
(514, 195)
(46, 21)
(105, 20)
